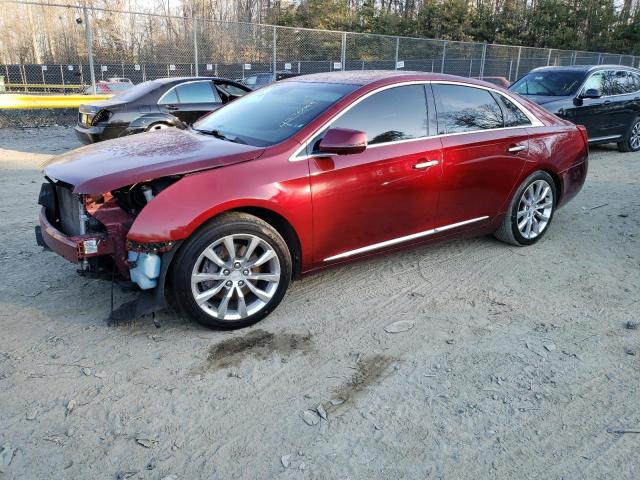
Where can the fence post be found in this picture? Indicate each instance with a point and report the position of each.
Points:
(518, 62)
(549, 57)
(343, 53)
(484, 59)
(195, 43)
(395, 67)
(89, 38)
(470, 66)
(620, 61)
(275, 50)
(444, 53)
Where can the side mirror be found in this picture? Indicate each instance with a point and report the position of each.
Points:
(591, 93)
(343, 141)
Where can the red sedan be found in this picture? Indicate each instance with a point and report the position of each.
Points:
(304, 174)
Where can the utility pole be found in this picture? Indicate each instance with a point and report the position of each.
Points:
(89, 39)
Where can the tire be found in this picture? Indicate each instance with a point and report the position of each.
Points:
(631, 140)
(262, 278)
(533, 186)
(157, 126)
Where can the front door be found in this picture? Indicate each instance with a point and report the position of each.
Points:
(386, 195)
(484, 147)
(597, 114)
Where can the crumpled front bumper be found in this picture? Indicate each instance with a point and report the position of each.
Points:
(74, 248)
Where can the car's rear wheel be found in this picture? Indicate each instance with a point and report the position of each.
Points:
(158, 126)
(530, 211)
(233, 272)
(631, 140)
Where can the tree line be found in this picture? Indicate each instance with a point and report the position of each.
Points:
(31, 33)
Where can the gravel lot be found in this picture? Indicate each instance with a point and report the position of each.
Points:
(520, 363)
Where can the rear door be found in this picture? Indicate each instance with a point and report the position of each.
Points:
(623, 101)
(190, 100)
(368, 201)
(484, 142)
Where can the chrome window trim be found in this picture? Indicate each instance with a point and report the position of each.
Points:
(180, 85)
(406, 238)
(535, 122)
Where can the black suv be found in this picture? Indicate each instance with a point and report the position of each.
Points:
(603, 98)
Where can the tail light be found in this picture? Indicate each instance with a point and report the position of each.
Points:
(585, 137)
(101, 116)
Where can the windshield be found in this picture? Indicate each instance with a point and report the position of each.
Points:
(136, 91)
(549, 83)
(273, 114)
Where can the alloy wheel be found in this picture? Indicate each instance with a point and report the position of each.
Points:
(634, 137)
(534, 209)
(235, 277)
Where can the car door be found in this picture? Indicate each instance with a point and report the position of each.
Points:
(595, 113)
(623, 101)
(386, 195)
(484, 147)
(190, 100)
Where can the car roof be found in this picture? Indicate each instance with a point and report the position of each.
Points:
(164, 81)
(366, 77)
(584, 68)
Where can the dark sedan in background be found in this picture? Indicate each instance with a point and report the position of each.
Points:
(603, 98)
(260, 80)
(154, 105)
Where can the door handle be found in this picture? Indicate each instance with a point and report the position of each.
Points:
(425, 165)
(516, 148)
(607, 102)
(172, 107)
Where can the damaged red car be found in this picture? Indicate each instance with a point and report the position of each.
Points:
(304, 174)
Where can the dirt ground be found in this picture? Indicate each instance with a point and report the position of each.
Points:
(520, 363)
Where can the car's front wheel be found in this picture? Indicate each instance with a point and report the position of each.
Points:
(530, 211)
(232, 273)
(631, 140)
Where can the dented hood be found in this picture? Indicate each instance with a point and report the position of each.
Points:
(101, 167)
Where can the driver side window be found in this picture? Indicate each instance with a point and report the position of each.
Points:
(598, 81)
(398, 113)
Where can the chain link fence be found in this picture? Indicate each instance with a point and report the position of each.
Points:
(59, 48)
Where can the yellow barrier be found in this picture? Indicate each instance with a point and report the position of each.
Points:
(14, 101)
(21, 86)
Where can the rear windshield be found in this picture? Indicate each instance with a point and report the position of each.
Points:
(137, 91)
(273, 113)
(549, 83)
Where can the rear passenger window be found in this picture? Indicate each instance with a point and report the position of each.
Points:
(169, 97)
(465, 109)
(197, 92)
(398, 113)
(513, 116)
(623, 82)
